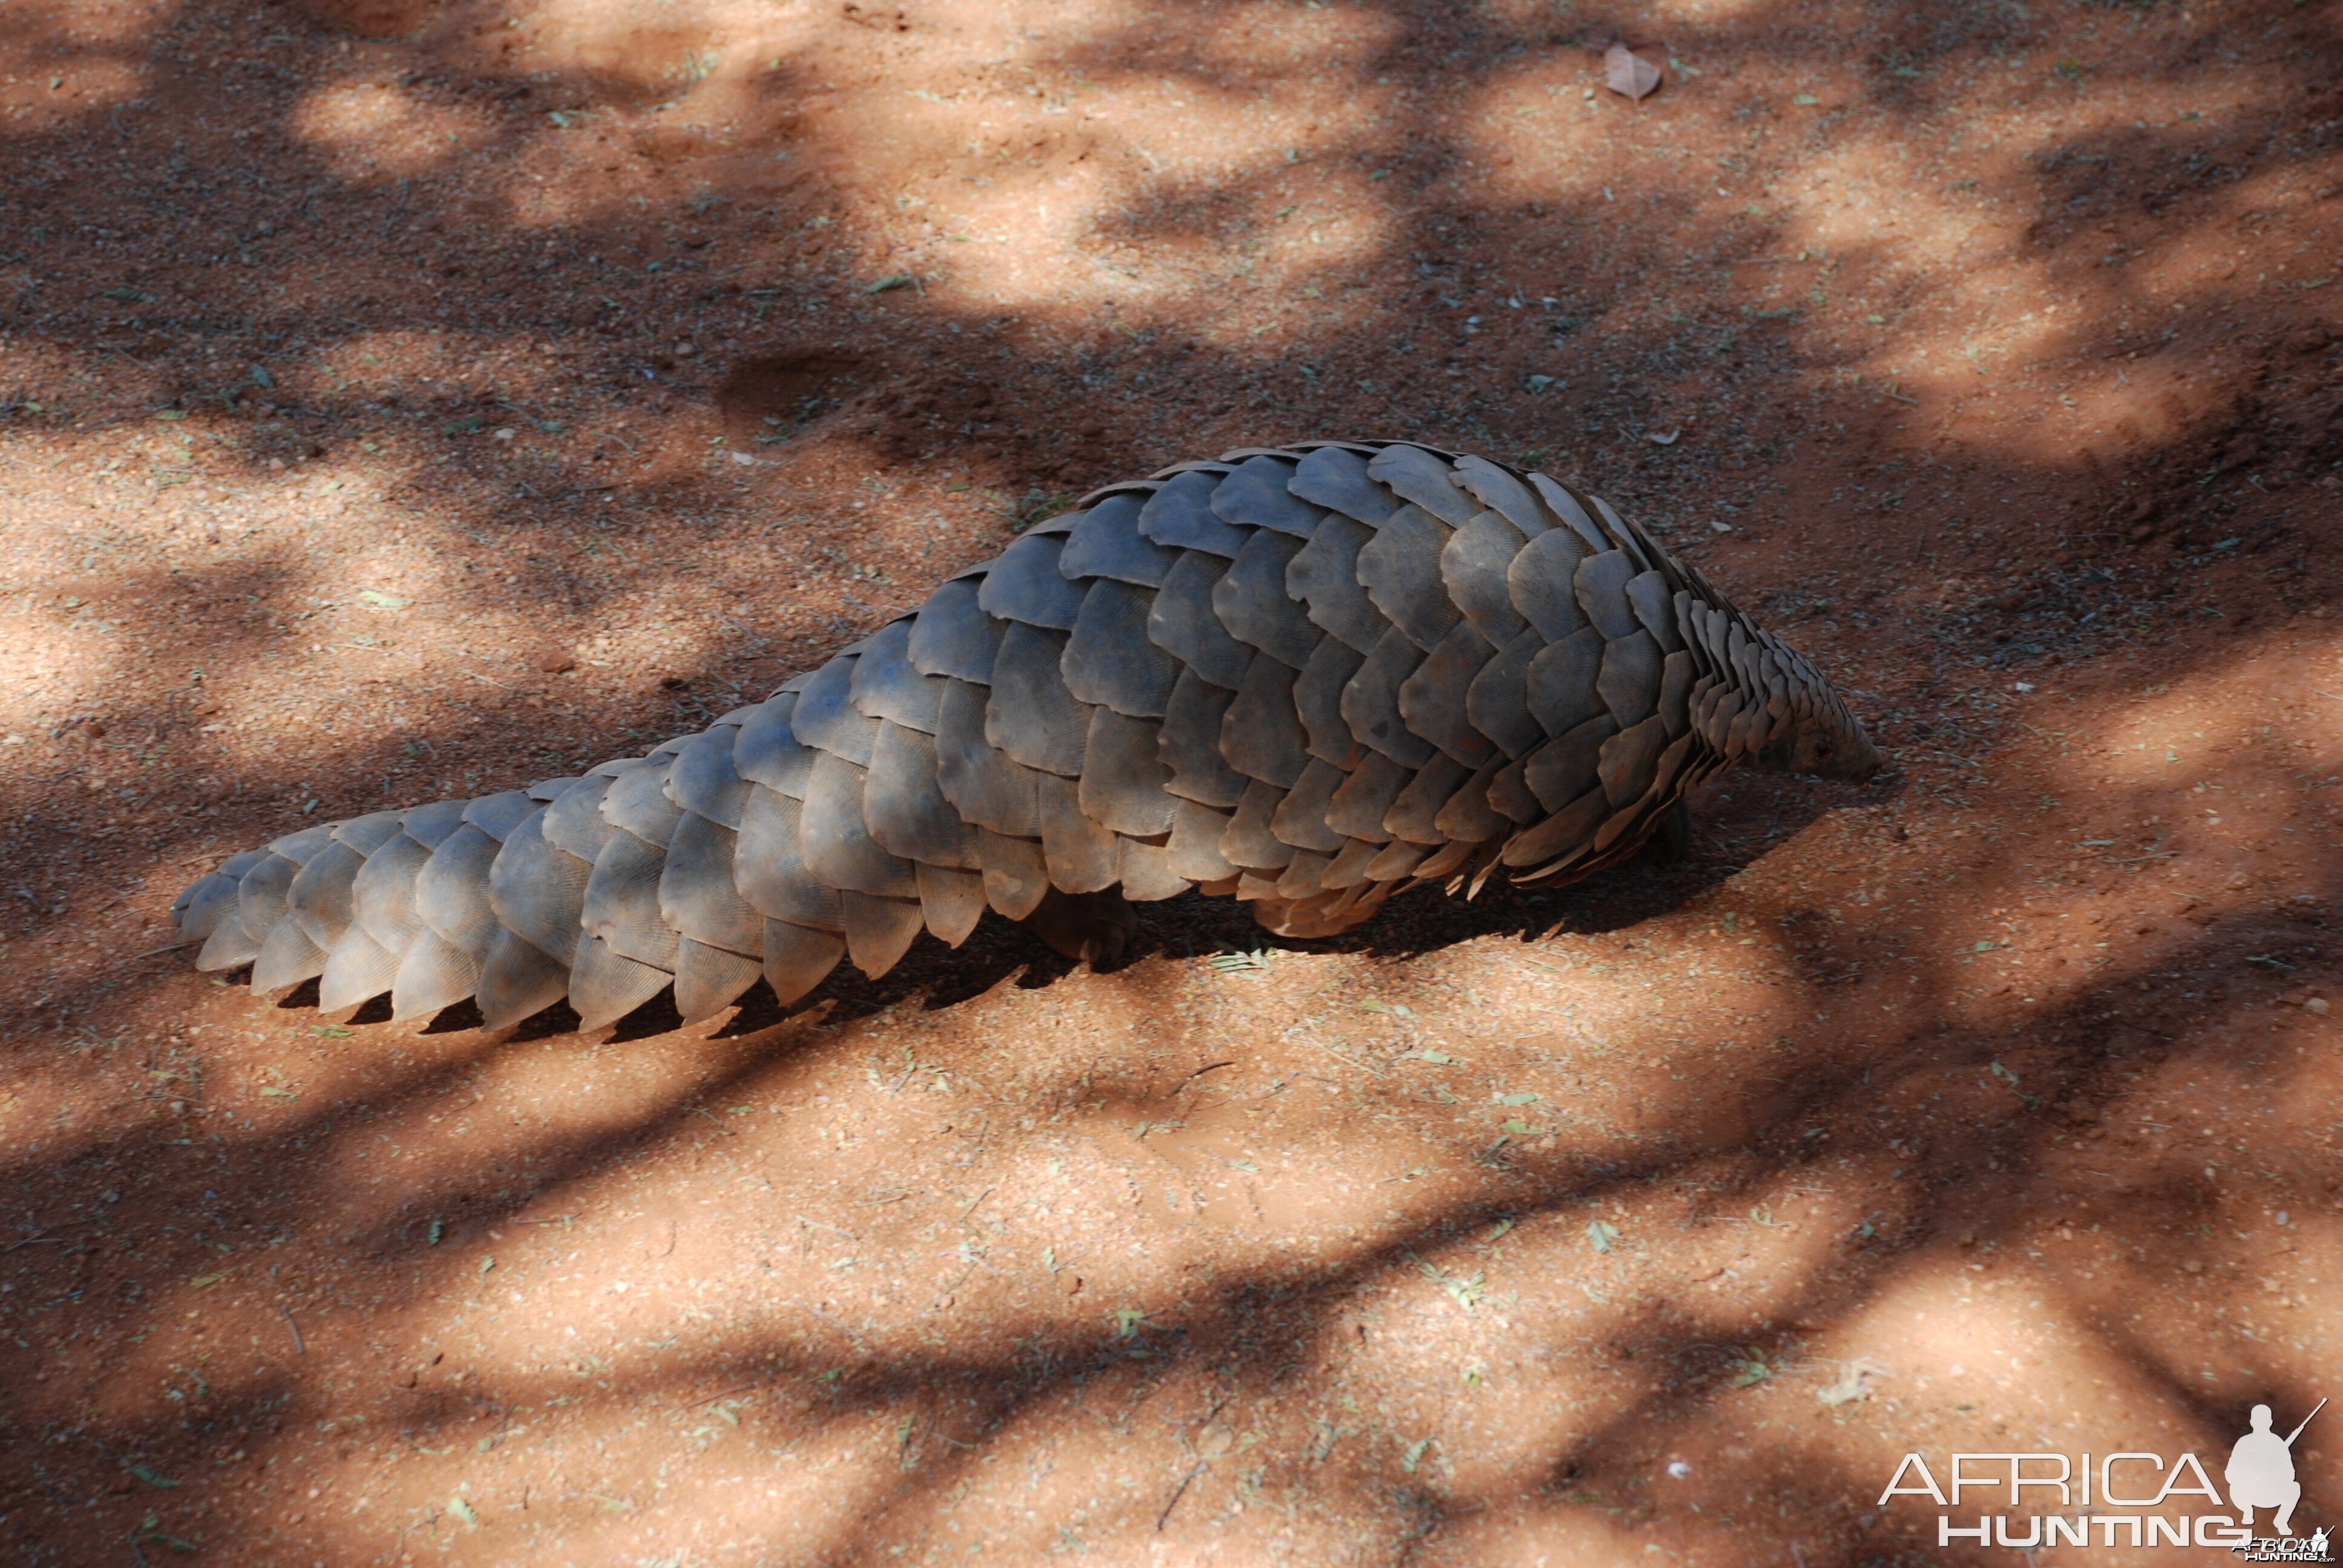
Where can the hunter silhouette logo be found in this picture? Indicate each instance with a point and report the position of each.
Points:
(2261, 1472)
(2127, 1499)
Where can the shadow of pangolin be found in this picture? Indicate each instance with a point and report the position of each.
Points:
(1308, 677)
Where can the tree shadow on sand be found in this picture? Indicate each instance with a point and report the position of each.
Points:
(1931, 1151)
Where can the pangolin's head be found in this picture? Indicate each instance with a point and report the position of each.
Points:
(1831, 745)
(1817, 735)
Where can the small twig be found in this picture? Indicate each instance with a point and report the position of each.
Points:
(1347, 1062)
(43, 1238)
(1210, 1067)
(1186, 1482)
(727, 1394)
(948, 1291)
(2136, 859)
(833, 1229)
(299, 1348)
(475, 675)
(979, 1197)
(172, 947)
(136, 1551)
(559, 1219)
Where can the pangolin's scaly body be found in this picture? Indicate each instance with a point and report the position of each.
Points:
(1308, 676)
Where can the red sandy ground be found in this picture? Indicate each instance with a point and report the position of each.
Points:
(401, 398)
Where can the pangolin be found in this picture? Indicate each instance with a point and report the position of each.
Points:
(1307, 677)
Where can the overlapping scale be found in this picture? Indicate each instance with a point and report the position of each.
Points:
(1306, 676)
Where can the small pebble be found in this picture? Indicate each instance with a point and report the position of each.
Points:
(1679, 1469)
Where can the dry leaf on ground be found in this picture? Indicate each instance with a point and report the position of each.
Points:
(1853, 1384)
(1626, 71)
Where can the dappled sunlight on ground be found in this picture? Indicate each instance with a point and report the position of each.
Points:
(401, 397)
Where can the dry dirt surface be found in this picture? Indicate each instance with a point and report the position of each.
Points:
(400, 398)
